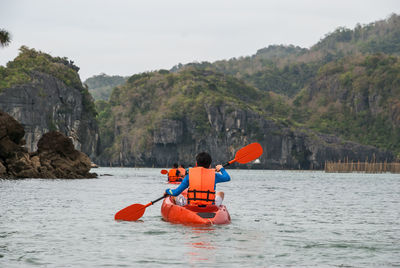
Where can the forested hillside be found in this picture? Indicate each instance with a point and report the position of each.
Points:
(163, 117)
(304, 106)
(130, 121)
(286, 69)
(350, 78)
(377, 37)
(101, 86)
(357, 98)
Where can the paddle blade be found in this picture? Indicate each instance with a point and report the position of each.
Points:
(131, 213)
(164, 171)
(248, 153)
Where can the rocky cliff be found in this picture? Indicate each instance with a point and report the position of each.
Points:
(284, 148)
(158, 119)
(48, 98)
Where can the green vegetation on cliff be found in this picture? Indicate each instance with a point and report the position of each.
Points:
(357, 98)
(377, 37)
(22, 71)
(347, 84)
(271, 69)
(101, 86)
(288, 69)
(139, 106)
(19, 71)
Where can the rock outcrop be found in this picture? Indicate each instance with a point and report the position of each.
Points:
(56, 156)
(47, 104)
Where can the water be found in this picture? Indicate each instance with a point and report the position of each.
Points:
(279, 219)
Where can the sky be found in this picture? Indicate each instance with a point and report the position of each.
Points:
(125, 37)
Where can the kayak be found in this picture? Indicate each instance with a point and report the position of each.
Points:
(194, 215)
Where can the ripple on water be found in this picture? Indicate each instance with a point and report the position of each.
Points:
(155, 232)
(279, 219)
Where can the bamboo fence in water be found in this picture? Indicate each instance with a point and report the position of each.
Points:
(367, 167)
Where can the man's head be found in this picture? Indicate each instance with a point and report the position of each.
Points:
(203, 159)
(175, 165)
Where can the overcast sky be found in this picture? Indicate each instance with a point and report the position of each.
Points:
(124, 37)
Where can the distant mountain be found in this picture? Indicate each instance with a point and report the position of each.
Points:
(345, 85)
(377, 37)
(287, 69)
(159, 118)
(274, 68)
(100, 86)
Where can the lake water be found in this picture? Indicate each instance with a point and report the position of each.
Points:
(279, 219)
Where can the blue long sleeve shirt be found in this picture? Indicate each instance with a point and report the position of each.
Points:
(219, 177)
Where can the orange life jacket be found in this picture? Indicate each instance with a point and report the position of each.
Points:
(201, 186)
(172, 175)
(182, 172)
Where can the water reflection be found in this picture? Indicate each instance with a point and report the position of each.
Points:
(200, 244)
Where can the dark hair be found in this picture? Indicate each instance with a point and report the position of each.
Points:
(203, 159)
(175, 165)
(182, 166)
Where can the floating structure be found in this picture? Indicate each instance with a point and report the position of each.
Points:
(366, 167)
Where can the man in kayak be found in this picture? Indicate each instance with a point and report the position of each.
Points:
(182, 171)
(174, 174)
(201, 182)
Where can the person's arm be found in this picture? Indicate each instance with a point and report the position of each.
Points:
(184, 184)
(223, 176)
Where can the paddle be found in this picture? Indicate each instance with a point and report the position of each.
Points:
(246, 154)
(164, 171)
(243, 156)
(135, 211)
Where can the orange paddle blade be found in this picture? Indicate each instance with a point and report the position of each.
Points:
(248, 153)
(164, 171)
(131, 213)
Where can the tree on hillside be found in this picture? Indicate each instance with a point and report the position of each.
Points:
(5, 38)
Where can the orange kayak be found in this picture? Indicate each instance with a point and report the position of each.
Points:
(193, 215)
